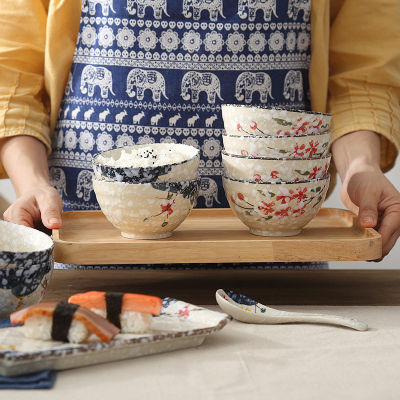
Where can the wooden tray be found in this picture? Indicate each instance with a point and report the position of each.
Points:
(214, 236)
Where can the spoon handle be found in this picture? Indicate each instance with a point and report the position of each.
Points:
(324, 319)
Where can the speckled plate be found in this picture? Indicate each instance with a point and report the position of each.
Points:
(180, 325)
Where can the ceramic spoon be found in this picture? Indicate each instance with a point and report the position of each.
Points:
(247, 310)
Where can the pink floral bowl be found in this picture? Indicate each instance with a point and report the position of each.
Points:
(263, 121)
(276, 147)
(146, 210)
(281, 209)
(265, 170)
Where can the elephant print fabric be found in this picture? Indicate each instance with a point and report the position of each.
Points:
(147, 71)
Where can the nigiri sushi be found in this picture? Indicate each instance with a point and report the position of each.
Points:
(63, 322)
(129, 311)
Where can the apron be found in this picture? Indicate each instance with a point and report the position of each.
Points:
(147, 71)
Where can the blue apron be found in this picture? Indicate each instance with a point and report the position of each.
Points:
(147, 71)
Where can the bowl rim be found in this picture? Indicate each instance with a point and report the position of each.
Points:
(147, 183)
(261, 107)
(324, 178)
(94, 162)
(225, 153)
(47, 249)
(326, 133)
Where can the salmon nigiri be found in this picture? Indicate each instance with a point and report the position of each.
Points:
(129, 311)
(62, 322)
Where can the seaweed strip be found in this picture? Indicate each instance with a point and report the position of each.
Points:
(62, 318)
(114, 308)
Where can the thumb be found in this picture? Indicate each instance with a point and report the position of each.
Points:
(368, 209)
(50, 209)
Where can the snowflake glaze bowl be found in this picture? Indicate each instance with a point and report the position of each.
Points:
(26, 265)
(265, 170)
(171, 163)
(281, 209)
(146, 210)
(278, 147)
(263, 121)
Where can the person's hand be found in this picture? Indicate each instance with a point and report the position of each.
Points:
(366, 191)
(42, 204)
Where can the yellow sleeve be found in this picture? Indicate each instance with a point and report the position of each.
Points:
(364, 83)
(22, 95)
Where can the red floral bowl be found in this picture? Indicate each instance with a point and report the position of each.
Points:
(281, 209)
(276, 147)
(262, 121)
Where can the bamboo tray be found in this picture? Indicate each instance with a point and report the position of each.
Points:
(214, 236)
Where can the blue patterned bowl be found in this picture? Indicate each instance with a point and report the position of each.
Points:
(26, 264)
(156, 162)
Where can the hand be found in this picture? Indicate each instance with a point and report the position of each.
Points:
(366, 191)
(42, 204)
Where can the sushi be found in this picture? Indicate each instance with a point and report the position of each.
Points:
(63, 322)
(129, 311)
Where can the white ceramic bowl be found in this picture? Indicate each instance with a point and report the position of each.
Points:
(26, 265)
(146, 210)
(280, 209)
(156, 162)
(264, 170)
(263, 121)
(299, 147)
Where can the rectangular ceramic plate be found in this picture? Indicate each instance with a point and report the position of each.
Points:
(180, 325)
(214, 236)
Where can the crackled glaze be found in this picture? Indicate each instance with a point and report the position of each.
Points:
(260, 121)
(275, 209)
(169, 172)
(146, 210)
(26, 265)
(299, 147)
(259, 169)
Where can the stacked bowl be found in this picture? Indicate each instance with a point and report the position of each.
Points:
(276, 167)
(146, 191)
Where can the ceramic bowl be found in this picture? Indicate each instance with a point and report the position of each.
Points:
(261, 169)
(299, 147)
(26, 265)
(146, 210)
(160, 162)
(263, 121)
(280, 209)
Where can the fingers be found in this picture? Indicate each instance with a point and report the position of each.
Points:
(389, 228)
(50, 208)
(19, 215)
(368, 210)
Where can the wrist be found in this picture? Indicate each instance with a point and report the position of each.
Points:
(356, 152)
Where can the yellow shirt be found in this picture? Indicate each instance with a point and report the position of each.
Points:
(354, 71)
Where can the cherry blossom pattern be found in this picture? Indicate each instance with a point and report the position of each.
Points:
(106, 36)
(125, 38)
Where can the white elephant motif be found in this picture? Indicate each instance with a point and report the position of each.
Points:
(84, 184)
(96, 76)
(58, 180)
(293, 82)
(105, 6)
(197, 82)
(267, 6)
(296, 5)
(68, 88)
(214, 7)
(209, 190)
(158, 6)
(250, 82)
(145, 79)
